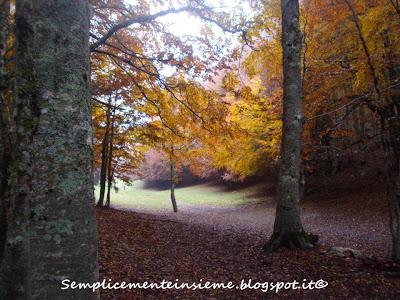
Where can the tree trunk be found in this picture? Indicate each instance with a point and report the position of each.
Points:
(173, 181)
(396, 243)
(110, 172)
(393, 140)
(104, 158)
(52, 230)
(288, 228)
(4, 11)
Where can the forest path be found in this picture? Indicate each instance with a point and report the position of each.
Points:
(139, 247)
(353, 222)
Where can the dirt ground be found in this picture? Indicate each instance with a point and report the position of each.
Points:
(355, 218)
(226, 245)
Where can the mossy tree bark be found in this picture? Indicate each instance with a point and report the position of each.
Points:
(288, 228)
(4, 11)
(52, 231)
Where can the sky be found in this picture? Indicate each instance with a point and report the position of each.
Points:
(185, 24)
(182, 24)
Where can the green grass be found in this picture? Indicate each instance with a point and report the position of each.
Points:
(137, 197)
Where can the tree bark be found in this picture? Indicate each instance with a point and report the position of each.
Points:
(52, 230)
(104, 158)
(173, 181)
(288, 228)
(4, 12)
(396, 217)
(110, 171)
(393, 135)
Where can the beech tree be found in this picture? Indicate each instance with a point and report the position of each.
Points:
(4, 11)
(51, 223)
(104, 153)
(131, 43)
(173, 180)
(288, 228)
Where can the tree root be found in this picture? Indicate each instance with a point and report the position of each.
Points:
(292, 240)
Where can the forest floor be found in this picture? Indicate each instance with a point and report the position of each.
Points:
(225, 244)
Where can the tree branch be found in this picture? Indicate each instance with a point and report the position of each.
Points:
(149, 18)
(136, 20)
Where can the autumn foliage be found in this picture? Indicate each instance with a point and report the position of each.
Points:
(230, 123)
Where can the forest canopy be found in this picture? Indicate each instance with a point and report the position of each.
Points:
(228, 99)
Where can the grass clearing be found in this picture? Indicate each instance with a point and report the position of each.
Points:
(135, 196)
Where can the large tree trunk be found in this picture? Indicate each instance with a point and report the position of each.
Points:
(392, 134)
(104, 158)
(4, 11)
(394, 198)
(288, 228)
(52, 231)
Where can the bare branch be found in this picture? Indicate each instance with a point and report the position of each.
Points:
(396, 6)
(136, 20)
(107, 104)
(142, 19)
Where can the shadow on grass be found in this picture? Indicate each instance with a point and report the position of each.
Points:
(162, 185)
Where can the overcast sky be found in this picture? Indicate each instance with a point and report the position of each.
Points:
(185, 24)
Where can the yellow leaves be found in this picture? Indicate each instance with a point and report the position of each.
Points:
(255, 127)
(230, 97)
(256, 85)
(230, 81)
(239, 131)
(336, 69)
(375, 20)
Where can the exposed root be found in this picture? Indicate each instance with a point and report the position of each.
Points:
(291, 240)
